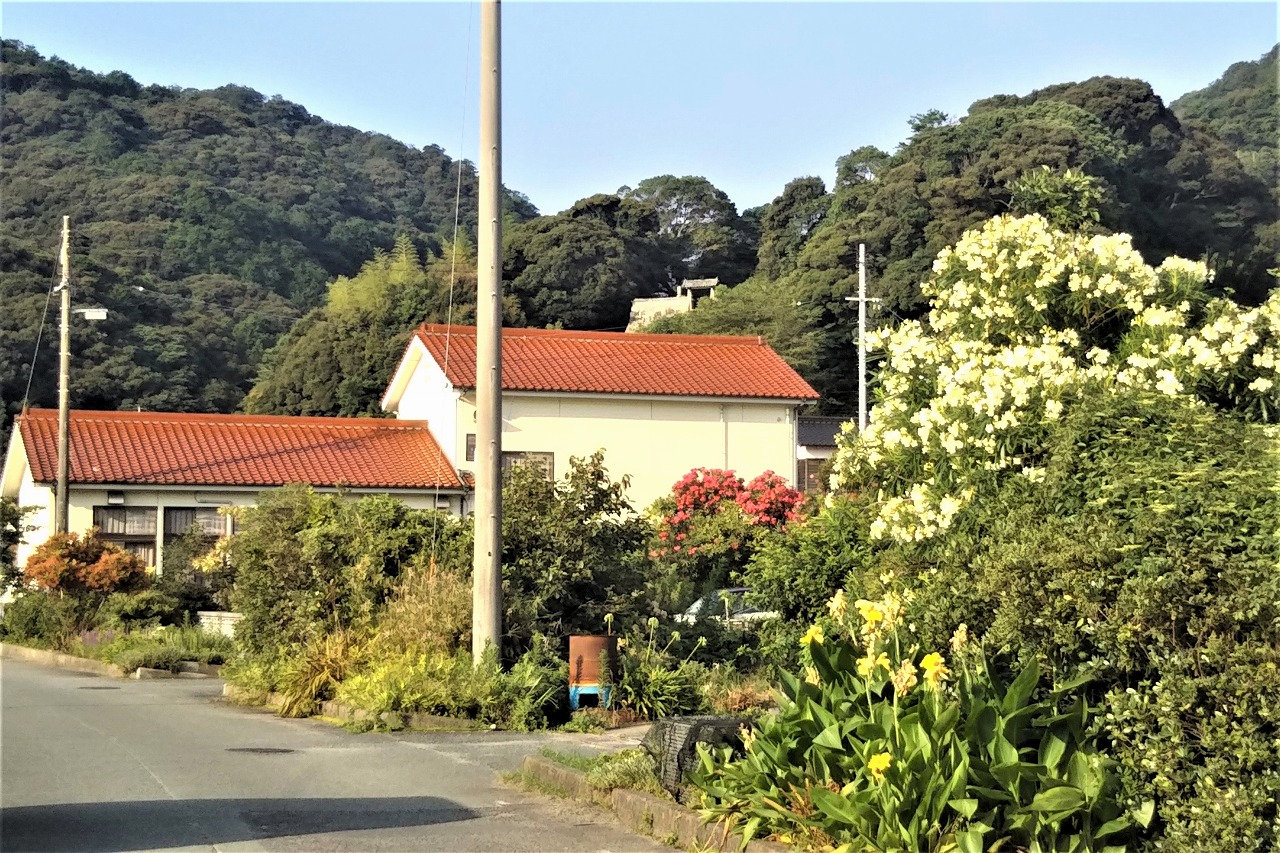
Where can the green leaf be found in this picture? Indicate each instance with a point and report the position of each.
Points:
(1052, 748)
(966, 807)
(1021, 688)
(1144, 813)
(969, 842)
(835, 806)
(1060, 799)
(830, 737)
(1113, 826)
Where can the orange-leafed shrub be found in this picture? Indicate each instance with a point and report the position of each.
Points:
(67, 562)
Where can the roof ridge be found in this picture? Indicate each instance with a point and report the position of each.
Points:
(589, 334)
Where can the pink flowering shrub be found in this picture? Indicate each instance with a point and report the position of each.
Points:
(711, 524)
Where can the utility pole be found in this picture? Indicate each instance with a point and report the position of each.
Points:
(486, 566)
(862, 299)
(64, 383)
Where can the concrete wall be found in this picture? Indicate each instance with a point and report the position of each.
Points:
(655, 441)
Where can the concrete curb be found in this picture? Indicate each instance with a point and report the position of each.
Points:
(347, 714)
(61, 661)
(641, 812)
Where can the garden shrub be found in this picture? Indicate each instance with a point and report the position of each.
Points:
(796, 574)
(44, 619)
(312, 673)
(133, 611)
(84, 565)
(709, 527)
(152, 654)
(572, 552)
(428, 611)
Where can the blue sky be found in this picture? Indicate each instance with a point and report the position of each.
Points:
(599, 95)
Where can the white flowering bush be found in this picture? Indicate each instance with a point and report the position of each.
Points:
(1025, 319)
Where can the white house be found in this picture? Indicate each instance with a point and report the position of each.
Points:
(658, 405)
(144, 478)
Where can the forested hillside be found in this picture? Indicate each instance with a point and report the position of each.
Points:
(1178, 189)
(246, 247)
(206, 221)
(1243, 108)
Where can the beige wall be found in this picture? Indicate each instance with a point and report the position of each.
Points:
(655, 441)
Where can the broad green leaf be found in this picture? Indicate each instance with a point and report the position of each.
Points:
(969, 842)
(1064, 798)
(1020, 690)
(830, 737)
(966, 807)
(1112, 826)
(1144, 813)
(835, 806)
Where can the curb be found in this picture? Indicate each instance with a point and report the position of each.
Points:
(346, 714)
(641, 812)
(61, 661)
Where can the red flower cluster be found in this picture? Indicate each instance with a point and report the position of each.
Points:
(703, 493)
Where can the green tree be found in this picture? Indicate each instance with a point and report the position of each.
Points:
(708, 235)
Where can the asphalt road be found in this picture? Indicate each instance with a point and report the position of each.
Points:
(91, 763)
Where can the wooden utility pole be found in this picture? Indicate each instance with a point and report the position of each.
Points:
(64, 383)
(486, 566)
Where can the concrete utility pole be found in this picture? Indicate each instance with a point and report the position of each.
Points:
(862, 299)
(64, 383)
(486, 566)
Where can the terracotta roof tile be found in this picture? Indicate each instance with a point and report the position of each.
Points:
(621, 363)
(158, 448)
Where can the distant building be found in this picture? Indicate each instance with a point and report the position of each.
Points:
(144, 478)
(658, 405)
(690, 292)
(816, 443)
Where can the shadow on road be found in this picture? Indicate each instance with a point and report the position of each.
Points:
(156, 824)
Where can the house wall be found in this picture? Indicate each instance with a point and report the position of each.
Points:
(655, 441)
(40, 499)
(428, 396)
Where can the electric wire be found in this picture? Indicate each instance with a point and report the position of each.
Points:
(453, 261)
(44, 316)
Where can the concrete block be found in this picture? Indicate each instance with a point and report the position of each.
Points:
(142, 673)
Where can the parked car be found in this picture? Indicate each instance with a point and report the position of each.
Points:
(726, 605)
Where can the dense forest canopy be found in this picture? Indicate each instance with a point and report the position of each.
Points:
(256, 256)
(207, 222)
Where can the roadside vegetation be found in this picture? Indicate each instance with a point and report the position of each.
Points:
(1039, 609)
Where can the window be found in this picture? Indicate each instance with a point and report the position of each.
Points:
(179, 520)
(471, 447)
(543, 462)
(808, 477)
(133, 528)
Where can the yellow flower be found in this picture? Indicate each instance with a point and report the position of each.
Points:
(869, 664)
(905, 678)
(892, 610)
(877, 764)
(935, 669)
(838, 605)
(959, 638)
(811, 675)
(872, 613)
(813, 635)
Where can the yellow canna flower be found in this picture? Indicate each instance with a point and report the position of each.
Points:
(877, 764)
(872, 613)
(838, 605)
(811, 675)
(959, 638)
(813, 635)
(935, 669)
(870, 664)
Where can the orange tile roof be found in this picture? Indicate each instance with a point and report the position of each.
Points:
(621, 363)
(160, 448)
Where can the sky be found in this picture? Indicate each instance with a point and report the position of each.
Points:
(600, 95)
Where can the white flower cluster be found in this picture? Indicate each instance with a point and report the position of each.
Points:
(1023, 317)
